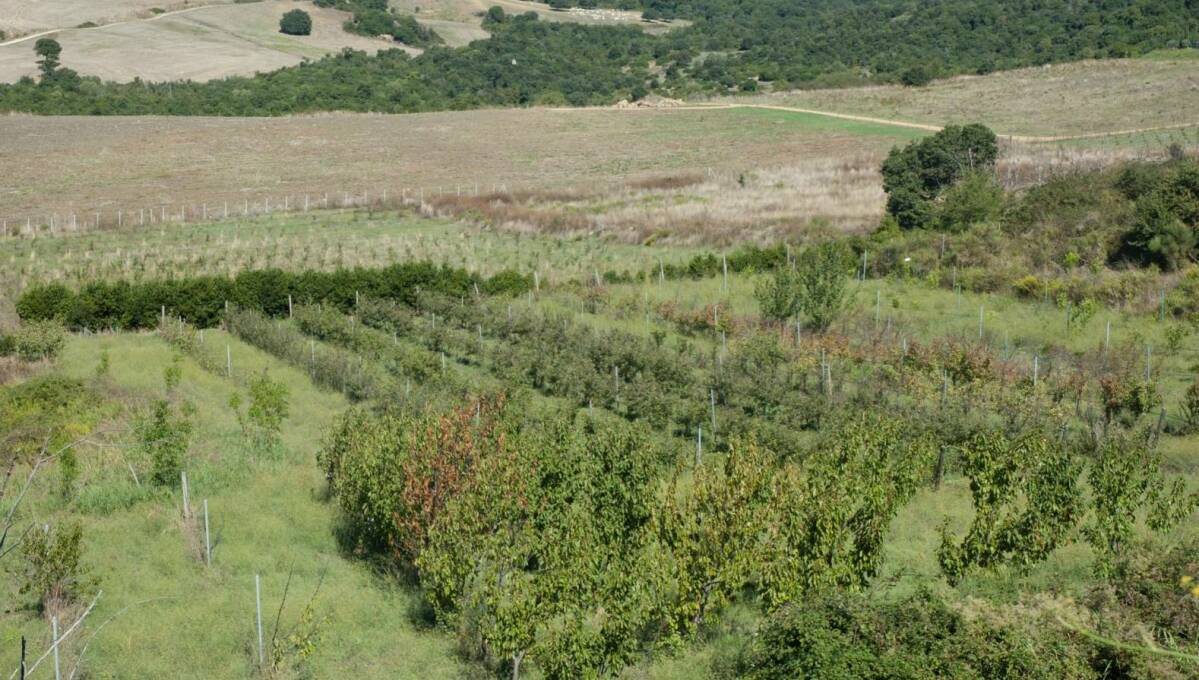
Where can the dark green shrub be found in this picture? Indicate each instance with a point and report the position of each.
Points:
(202, 300)
(840, 636)
(920, 172)
(916, 76)
(1166, 227)
(296, 22)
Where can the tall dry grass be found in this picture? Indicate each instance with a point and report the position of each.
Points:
(795, 201)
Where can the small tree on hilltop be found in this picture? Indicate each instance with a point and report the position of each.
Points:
(48, 50)
(296, 22)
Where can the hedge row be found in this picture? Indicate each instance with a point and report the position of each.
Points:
(202, 300)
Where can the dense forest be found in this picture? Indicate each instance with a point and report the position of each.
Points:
(727, 46)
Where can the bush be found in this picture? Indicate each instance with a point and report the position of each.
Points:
(975, 199)
(296, 22)
(916, 76)
(1166, 227)
(916, 175)
(840, 636)
(36, 340)
(262, 423)
(202, 300)
(54, 571)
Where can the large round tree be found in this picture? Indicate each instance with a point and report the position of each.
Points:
(296, 22)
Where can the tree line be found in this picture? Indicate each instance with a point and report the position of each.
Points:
(730, 45)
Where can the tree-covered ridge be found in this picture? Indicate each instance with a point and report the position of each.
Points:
(730, 45)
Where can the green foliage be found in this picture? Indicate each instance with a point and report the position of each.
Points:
(44, 414)
(916, 76)
(394, 474)
(748, 43)
(173, 373)
(164, 435)
(1166, 227)
(1190, 408)
(296, 22)
(839, 636)
(68, 473)
(776, 294)
(54, 572)
(35, 340)
(1127, 397)
(713, 533)
(1026, 503)
(549, 552)
(832, 512)
(974, 199)
(1126, 479)
(263, 420)
(202, 300)
(820, 284)
(48, 51)
(916, 176)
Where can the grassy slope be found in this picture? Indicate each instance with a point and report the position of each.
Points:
(269, 516)
(1075, 98)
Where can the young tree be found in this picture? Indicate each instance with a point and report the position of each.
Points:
(820, 284)
(296, 22)
(164, 436)
(54, 569)
(48, 50)
(776, 295)
(714, 534)
(829, 516)
(1026, 503)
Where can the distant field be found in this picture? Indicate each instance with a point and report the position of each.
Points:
(20, 17)
(64, 164)
(458, 21)
(208, 43)
(1066, 99)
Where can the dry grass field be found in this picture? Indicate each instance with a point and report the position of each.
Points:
(22, 17)
(208, 43)
(458, 21)
(688, 175)
(1065, 99)
(203, 40)
(64, 164)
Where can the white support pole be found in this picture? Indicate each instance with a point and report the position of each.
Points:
(258, 608)
(207, 540)
(712, 399)
(54, 632)
(187, 511)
